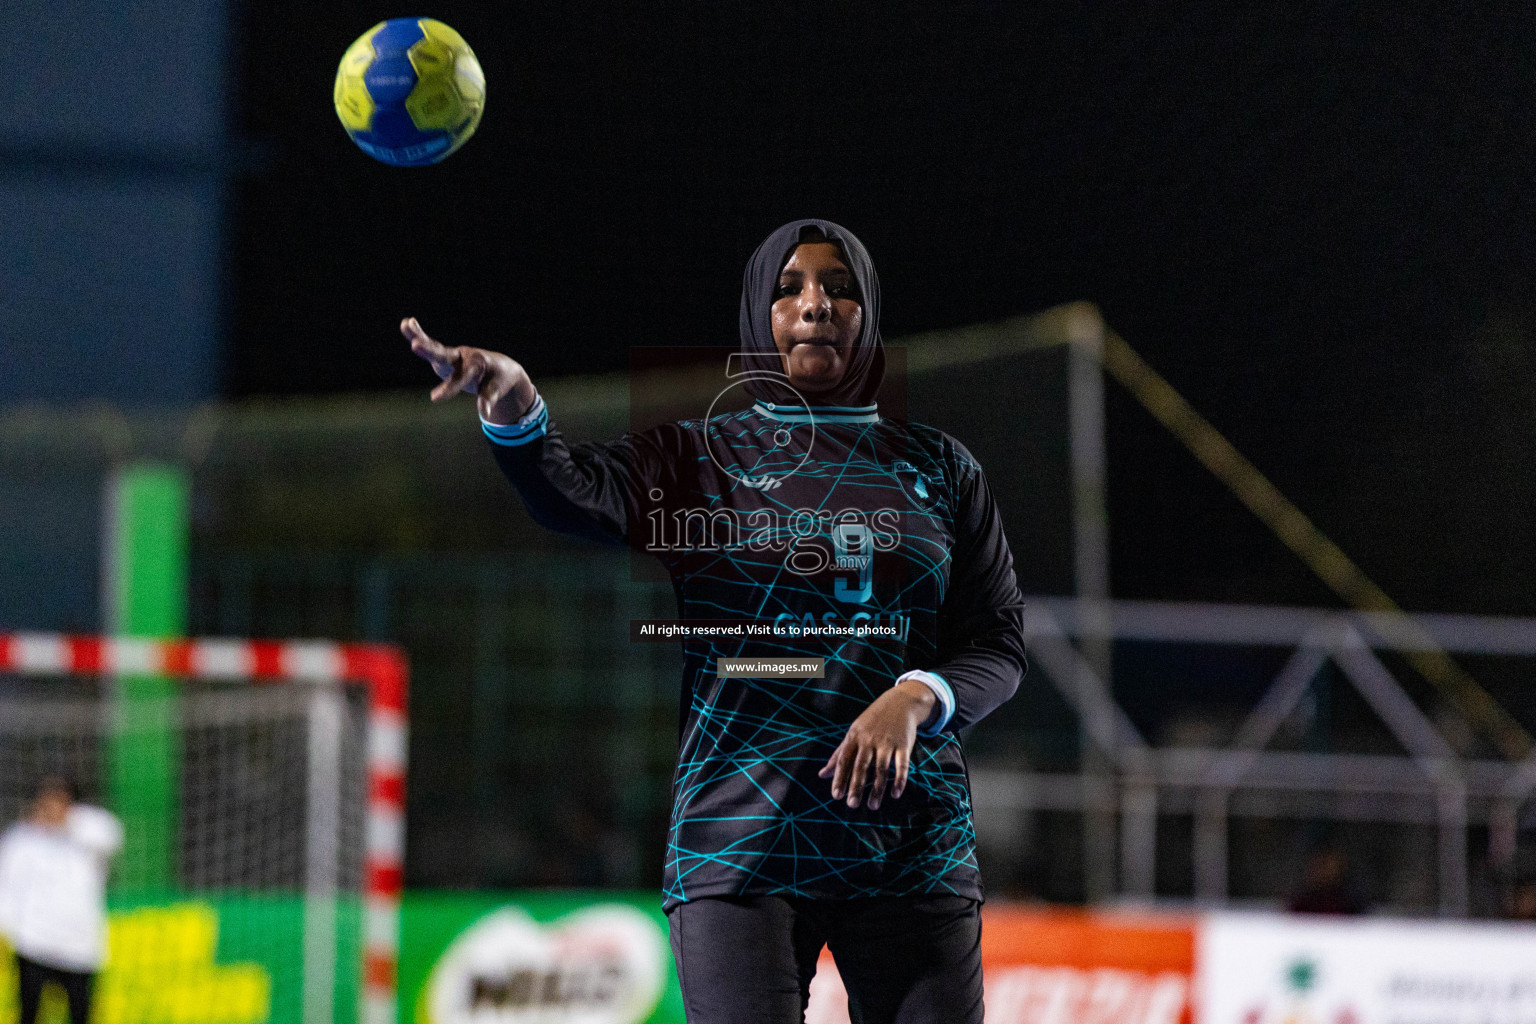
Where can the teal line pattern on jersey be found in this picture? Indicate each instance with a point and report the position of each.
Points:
(749, 813)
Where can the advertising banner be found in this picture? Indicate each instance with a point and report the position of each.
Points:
(1273, 969)
(536, 958)
(1064, 967)
(209, 960)
(523, 958)
(603, 958)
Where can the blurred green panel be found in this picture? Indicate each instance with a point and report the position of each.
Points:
(146, 596)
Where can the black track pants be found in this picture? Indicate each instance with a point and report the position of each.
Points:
(903, 959)
(32, 976)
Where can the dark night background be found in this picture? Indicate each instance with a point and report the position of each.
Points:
(1315, 220)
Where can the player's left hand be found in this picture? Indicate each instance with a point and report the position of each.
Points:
(879, 743)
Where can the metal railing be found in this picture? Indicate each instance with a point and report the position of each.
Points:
(1430, 783)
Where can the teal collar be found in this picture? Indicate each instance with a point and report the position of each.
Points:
(796, 413)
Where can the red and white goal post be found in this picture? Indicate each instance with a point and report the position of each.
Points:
(380, 672)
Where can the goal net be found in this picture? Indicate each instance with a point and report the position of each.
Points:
(261, 795)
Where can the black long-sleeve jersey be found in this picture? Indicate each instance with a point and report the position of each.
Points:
(834, 516)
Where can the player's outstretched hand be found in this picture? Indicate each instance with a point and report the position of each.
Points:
(501, 385)
(879, 742)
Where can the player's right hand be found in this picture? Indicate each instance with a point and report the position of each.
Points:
(501, 385)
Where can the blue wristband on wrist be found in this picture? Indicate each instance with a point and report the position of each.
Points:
(530, 426)
(942, 690)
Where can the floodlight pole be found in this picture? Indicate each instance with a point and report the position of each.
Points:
(1090, 531)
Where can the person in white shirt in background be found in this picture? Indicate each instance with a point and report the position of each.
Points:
(53, 880)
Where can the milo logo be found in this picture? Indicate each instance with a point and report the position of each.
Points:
(604, 964)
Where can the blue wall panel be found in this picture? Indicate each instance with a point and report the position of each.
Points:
(113, 74)
(109, 289)
(112, 190)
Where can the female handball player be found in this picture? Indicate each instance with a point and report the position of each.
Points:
(831, 810)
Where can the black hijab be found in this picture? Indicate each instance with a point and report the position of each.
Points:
(866, 361)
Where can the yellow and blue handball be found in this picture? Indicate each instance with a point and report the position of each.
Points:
(410, 91)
